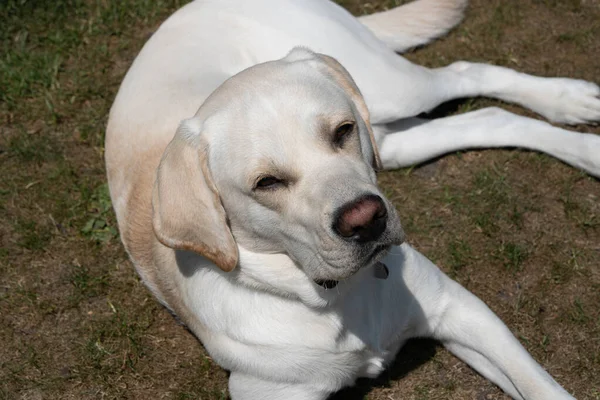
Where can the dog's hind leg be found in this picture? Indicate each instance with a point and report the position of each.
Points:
(563, 100)
(246, 387)
(487, 128)
(395, 88)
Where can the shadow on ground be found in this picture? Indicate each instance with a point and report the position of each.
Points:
(413, 354)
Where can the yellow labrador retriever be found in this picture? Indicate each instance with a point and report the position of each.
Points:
(258, 221)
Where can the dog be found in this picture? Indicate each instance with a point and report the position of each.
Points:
(241, 152)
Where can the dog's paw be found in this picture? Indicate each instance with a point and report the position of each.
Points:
(590, 160)
(568, 101)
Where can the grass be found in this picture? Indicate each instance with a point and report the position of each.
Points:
(519, 229)
(460, 256)
(100, 227)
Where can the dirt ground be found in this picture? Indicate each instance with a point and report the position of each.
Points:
(519, 229)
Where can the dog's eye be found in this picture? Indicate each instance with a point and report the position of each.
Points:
(268, 182)
(342, 132)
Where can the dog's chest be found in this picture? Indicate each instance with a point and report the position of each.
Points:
(357, 337)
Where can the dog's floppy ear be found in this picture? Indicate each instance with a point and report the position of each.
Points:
(338, 73)
(187, 210)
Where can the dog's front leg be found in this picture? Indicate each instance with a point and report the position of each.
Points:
(246, 387)
(470, 330)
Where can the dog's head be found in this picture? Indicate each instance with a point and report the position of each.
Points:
(279, 159)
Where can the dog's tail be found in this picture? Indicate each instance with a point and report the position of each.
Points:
(415, 23)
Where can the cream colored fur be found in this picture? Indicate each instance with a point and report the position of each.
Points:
(415, 24)
(228, 174)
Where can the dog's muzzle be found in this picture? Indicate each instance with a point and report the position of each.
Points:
(362, 220)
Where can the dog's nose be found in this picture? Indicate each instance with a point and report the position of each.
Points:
(362, 220)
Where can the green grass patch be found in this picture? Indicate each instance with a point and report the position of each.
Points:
(99, 226)
(513, 256)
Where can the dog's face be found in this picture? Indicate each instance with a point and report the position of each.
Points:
(286, 154)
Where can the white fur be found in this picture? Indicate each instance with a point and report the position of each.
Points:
(281, 335)
(416, 23)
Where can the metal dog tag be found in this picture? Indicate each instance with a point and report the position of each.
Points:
(381, 271)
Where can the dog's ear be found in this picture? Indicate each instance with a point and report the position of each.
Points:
(340, 75)
(187, 210)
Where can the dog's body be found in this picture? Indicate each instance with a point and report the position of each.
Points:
(267, 195)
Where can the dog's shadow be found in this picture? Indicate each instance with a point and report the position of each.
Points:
(412, 355)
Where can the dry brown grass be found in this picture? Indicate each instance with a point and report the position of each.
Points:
(519, 229)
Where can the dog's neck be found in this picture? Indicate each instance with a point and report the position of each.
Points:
(280, 275)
